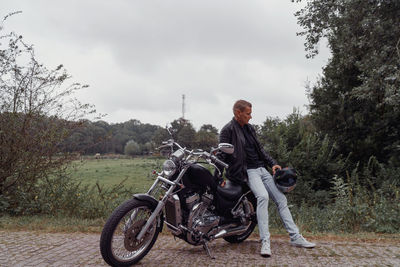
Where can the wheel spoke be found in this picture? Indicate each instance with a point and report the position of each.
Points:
(124, 245)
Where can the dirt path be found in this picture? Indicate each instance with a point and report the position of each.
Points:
(78, 249)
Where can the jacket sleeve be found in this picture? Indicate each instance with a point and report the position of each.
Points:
(225, 137)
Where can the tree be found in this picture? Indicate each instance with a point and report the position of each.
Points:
(160, 135)
(294, 142)
(132, 148)
(357, 100)
(37, 114)
(184, 133)
(147, 148)
(207, 137)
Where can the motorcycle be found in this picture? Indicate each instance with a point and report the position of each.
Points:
(198, 208)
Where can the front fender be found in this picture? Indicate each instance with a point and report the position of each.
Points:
(154, 203)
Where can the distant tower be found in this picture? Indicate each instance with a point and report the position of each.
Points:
(183, 106)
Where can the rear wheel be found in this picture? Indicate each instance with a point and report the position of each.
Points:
(253, 222)
(118, 243)
(242, 237)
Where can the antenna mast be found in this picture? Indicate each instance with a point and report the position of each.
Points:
(183, 106)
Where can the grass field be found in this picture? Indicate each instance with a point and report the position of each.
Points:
(137, 172)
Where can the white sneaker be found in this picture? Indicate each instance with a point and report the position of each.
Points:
(301, 242)
(265, 249)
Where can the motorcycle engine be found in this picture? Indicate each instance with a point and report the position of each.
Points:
(192, 200)
(205, 222)
(201, 219)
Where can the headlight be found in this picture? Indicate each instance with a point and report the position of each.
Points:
(169, 168)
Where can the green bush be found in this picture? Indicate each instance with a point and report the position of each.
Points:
(332, 194)
(61, 195)
(355, 207)
(132, 148)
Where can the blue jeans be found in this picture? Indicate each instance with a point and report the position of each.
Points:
(263, 187)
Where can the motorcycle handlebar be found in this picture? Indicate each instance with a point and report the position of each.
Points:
(170, 143)
(214, 159)
(218, 161)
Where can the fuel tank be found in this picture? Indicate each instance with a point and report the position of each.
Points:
(198, 177)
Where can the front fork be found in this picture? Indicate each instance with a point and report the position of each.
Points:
(162, 202)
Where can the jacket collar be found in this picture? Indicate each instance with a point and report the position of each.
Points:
(236, 124)
(239, 130)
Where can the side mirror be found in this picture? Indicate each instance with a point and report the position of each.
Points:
(226, 148)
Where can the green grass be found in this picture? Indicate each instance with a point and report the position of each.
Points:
(137, 172)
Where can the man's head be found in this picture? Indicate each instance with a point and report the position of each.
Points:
(242, 112)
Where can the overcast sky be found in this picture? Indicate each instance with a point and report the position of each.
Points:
(140, 57)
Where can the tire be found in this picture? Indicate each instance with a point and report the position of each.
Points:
(118, 244)
(242, 237)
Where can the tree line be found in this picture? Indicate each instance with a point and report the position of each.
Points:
(136, 138)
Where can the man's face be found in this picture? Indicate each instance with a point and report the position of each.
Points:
(244, 116)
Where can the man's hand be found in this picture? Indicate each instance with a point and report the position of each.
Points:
(274, 168)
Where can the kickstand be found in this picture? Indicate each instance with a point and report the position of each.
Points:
(207, 249)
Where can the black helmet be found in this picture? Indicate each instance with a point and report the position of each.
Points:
(285, 179)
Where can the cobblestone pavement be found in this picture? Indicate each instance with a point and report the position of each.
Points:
(79, 249)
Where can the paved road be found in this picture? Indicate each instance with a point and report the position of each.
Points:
(78, 249)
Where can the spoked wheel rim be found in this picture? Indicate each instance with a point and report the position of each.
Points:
(124, 245)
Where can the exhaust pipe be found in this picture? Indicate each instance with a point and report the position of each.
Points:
(232, 231)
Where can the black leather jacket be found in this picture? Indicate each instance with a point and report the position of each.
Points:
(232, 133)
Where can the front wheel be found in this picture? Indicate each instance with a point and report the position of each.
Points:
(118, 243)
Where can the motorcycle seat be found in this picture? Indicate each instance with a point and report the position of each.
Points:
(230, 190)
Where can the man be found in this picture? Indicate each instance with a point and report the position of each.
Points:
(248, 165)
